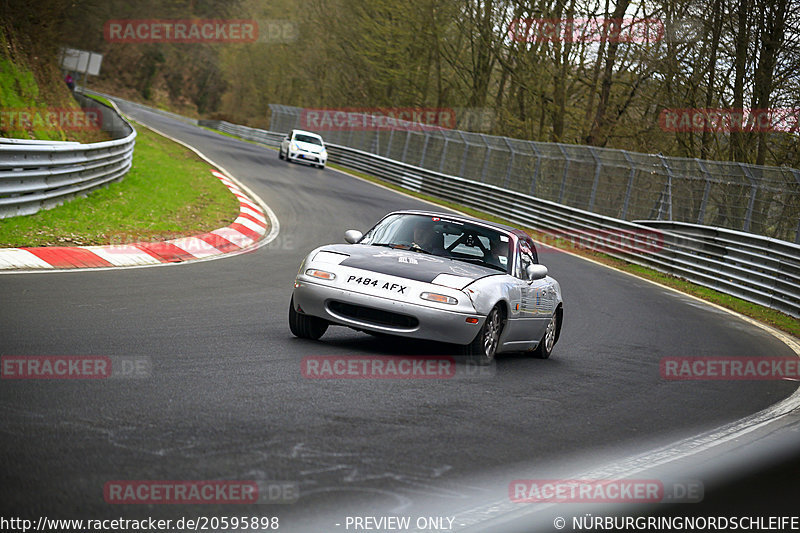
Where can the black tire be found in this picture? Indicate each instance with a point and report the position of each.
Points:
(280, 153)
(545, 347)
(304, 326)
(483, 348)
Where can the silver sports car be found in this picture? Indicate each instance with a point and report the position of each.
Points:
(432, 276)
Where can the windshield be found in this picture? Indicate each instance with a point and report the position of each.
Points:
(434, 235)
(308, 139)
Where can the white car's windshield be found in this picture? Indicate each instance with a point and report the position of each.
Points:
(442, 237)
(308, 139)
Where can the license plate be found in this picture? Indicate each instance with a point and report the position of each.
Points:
(373, 282)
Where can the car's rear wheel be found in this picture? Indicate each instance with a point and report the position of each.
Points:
(280, 153)
(304, 326)
(483, 348)
(545, 347)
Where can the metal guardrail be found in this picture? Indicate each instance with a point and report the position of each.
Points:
(270, 138)
(41, 175)
(616, 183)
(758, 269)
(169, 114)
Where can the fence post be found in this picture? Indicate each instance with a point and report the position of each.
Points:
(598, 167)
(466, 152)
(485, 157)
(389, 142)
(567, 161)
(701, 216)
(748, 217)
(536, 169)
(405, 147)
(629, 188)
(424, 148)
(444, 153)
(667, 195)
(511, 154)
(796, 174)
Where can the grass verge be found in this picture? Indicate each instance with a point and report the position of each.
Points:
(168, 193)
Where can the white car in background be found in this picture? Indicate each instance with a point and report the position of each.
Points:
(304, 147)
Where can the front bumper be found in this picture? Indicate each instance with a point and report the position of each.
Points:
(429, 323)
(307, 157)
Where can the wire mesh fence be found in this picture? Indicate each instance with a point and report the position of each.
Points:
(616, 183)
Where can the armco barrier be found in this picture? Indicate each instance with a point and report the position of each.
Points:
(38, 175)
(616, 183)
(758, 269)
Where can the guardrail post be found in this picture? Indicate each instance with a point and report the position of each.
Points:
(599, 166)
(629, 188)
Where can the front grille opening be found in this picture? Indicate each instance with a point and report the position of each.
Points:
(370, 315)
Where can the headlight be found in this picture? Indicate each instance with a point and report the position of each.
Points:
(294, 147)
(321, 274)
(438, 298)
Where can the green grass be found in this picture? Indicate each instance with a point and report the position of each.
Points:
(100, 99)
(169, 192)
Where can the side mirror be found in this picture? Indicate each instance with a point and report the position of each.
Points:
(535, 272)
(352, 236)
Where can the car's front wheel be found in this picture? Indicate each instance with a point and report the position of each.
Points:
(545, 347)
(280, 153)
(483, 348)
(304, 326)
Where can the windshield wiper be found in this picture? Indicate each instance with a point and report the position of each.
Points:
(481, 262)
(410, 247)
(417, 248)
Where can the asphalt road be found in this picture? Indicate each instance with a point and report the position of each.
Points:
(224, 397)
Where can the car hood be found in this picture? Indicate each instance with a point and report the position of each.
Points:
(406, 264)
